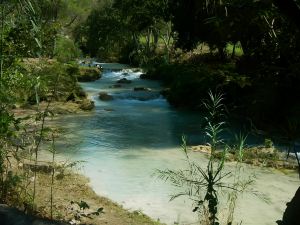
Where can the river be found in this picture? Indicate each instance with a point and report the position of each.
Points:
(123, 141)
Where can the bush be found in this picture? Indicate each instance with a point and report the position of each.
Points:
(65, 49)
(50, 81)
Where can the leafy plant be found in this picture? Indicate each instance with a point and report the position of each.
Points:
(65, 49)
(268, 143)
(240, 146)
(200, 185)
(78, 209)
(203, 186)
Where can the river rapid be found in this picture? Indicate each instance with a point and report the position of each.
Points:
(123, 141)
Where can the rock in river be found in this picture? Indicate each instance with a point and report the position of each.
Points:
(144, 76)
(105, 97)
(88, 74)
(87, 105)
(124, 81)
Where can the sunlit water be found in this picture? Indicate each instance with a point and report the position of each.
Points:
(125, 140)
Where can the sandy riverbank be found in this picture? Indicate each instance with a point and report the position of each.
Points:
(71, 187)
(95, 206)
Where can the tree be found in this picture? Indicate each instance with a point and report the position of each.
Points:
(130, 29)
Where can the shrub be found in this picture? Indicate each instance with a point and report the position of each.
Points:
(65, 49)
(50, 81)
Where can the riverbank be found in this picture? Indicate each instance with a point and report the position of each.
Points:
(70, 192)
(250, 100)
(259, 156)
(74, 201)
(137, 134)
(115, 156)
(74, 187)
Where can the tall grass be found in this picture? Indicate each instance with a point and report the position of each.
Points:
(204, 185)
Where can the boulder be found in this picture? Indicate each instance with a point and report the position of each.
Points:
(124, 81)
(81, 93)
(105, 97)
(139, 95)
(87, 105)
(141, 89)
(87, 74)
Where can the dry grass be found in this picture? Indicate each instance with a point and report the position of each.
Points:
(74, 187)
(70, 187)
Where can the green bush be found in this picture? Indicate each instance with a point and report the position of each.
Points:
(65, 49)
(50, 81)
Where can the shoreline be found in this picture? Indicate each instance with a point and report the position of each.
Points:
(69, 184)
(87, 193)
(69, 191)
(259, 156)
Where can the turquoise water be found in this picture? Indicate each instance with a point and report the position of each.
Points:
(125, 140)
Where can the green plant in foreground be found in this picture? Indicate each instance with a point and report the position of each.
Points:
(239, 184)
(268, 143)
(214, 119)
(78, 210)
(203, 186)
(10, 181)
(200, 185)
(239, 147)
(53, 151)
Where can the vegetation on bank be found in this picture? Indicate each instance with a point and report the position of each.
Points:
(250, 99)
(247, 49)
(261, 156)
(73, 200)
(37, 77)
(205, 185)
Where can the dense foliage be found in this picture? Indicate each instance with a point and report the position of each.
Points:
(263, 78)
(30, 35)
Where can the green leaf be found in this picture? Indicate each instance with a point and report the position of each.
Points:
(38, 42)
